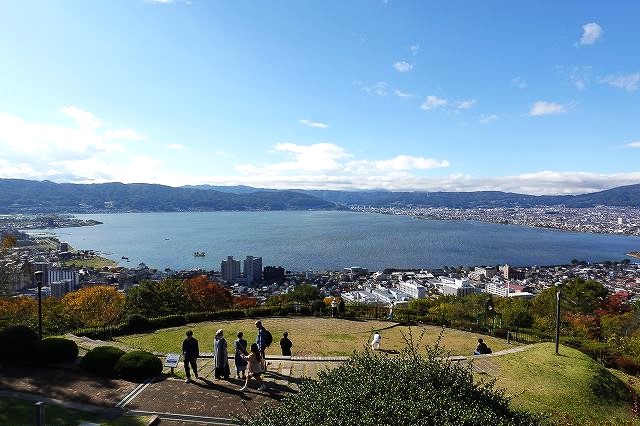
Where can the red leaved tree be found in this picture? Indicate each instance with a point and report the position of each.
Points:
(204, 295)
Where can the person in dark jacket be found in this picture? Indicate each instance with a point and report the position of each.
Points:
(190, 354)
(285, 345)
(482, 348)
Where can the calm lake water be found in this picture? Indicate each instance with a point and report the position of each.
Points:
(331, 240)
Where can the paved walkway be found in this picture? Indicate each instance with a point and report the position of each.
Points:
(204, 401)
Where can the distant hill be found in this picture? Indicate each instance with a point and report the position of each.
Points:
(25, 196)
(233, 189)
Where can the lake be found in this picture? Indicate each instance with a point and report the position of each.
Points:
(332, 240)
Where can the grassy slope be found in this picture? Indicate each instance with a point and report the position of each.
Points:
(571, 388)
(16, 412)
(310, 336)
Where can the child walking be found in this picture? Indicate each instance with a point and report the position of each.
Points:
(256, 369)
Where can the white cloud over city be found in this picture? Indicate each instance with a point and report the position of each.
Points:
(547, 108)
(591, 33)
(87, 150)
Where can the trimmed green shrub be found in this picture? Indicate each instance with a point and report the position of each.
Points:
(167, 321)
(408, 390)
(101, 360)
(137, 323)
(16, 341)
(137, 365)
(54, 350)
(217, 315)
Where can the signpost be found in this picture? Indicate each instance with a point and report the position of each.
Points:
(172, 361)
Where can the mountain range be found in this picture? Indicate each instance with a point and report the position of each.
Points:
(26, 196)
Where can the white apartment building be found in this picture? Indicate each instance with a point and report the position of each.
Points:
(61, 274)
(456, 286)
(60, 288)
(253, 269)
(413, 289)
(230, 269)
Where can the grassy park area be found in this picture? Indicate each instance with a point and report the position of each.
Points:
(311, 336)
(16, 412)
(571, 388)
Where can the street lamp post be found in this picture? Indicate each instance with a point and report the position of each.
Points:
(38, 275)
(558, 295)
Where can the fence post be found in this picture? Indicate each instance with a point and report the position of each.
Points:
(40, 413)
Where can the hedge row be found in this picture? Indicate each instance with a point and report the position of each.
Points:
(602, 353)
(20, 343)
(112, 361)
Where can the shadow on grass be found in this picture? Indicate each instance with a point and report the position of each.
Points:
(608, 388)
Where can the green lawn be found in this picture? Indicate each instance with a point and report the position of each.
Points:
(571, 388)
(96, 262)
(310, 336)
(16, 412)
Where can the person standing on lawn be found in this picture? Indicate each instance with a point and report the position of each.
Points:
(190, 354)
(261, 339)
(240, 345)
(220, 356)
(285, 344)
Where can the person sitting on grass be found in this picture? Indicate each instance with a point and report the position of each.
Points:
(375, 343)
(255, 367)
(482, 348)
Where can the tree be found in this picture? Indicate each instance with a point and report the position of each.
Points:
(244, 302)
(583, 296)
(408, 389)
(205, 295)
(304, 293)
(8, 242)
(155, 299)
(94, 306)
(515, 312)
(18, 310)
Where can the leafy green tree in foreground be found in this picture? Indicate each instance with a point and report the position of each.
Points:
(408, 389)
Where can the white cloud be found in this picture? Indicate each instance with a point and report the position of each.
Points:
(84, 119)
(633, 144)
(519, 82)
(484, 119)
(176, 146)
(546, 108)
(433, 102)
(591, 32)
(580, 76)
(403, 66)
(314, 124)
(124, 134)
(403, 94)
(466, 104)
(414, 48)
(628, 82)
(330, 163)
(80, 152)
(380, 88)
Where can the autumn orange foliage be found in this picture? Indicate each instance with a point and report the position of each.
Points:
(204, 295)
(95, 306)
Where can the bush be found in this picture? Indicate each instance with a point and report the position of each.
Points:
(138, 365)
(626, 364)
(16, 341)
(211, 316)
(102, 333)
(317, 307)
(137, 323)
(375, 389)
(167, 321)
(54, 350)
(101, 360)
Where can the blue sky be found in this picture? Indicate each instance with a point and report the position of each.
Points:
(538, 97)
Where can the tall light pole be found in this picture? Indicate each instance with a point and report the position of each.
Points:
(559, 285)
(38, 275)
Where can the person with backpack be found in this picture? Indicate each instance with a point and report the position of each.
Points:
(263, 339)
(482, 348)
